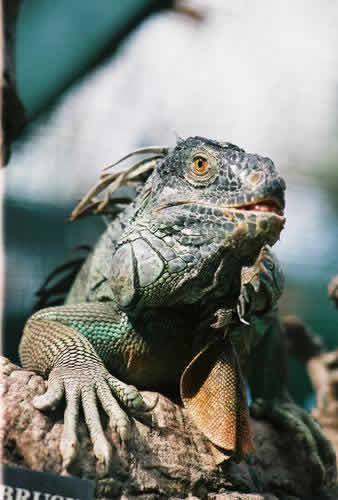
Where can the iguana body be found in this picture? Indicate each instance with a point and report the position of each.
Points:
(165, 300)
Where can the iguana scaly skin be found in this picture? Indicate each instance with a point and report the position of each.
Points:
(179, 293)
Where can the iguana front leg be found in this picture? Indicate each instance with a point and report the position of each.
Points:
(70, 344)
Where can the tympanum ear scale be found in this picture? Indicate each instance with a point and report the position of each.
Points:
(213, 392)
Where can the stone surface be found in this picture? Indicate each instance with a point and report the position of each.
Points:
(165, 458)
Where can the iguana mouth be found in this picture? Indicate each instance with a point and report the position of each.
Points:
(266, 205)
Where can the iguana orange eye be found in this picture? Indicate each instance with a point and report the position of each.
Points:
(201, 165)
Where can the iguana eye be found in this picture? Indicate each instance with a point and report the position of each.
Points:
(200, 164)
(201, 168)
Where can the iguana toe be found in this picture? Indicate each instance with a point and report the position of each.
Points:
(129, 396)
(101, 447)
(118, 419)
(51, 398)
(134, 399)
(69, 441)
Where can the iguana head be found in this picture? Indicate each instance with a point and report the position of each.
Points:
(206, 201)
(217, 190)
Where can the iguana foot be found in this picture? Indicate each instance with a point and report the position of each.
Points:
(289, 416)
(86, 385)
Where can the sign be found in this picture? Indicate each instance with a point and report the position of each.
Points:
(23, 484)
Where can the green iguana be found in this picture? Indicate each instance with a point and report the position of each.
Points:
(178, 296)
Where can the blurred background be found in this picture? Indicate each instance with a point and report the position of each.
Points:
(98, 79)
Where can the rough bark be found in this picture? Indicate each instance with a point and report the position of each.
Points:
(169, 458)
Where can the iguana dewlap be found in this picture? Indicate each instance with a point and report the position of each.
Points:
(213, 392)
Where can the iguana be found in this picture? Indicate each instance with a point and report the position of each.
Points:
(179, 295)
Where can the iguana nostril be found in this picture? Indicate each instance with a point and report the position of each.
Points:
(256, 177)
